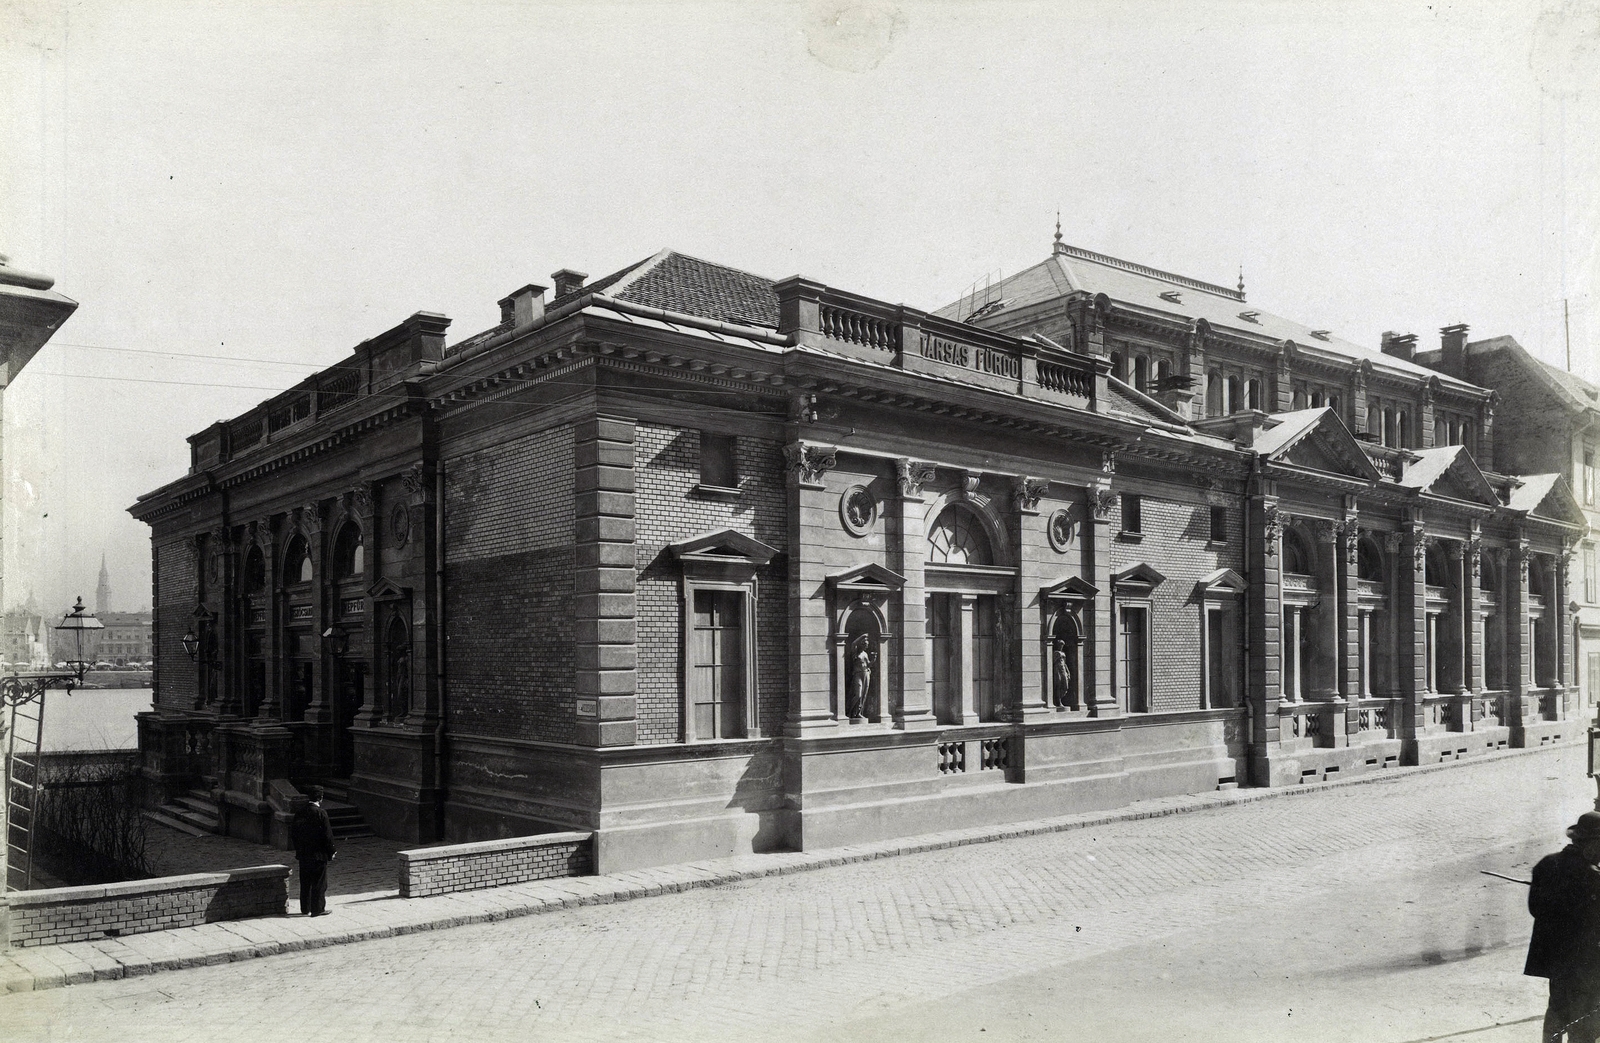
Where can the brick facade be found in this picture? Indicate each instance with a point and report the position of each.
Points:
(51, 916)
(494, 863)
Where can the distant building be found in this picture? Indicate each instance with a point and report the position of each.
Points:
(102, 590)
(24, 643)
(704, 563)
(1555, 428)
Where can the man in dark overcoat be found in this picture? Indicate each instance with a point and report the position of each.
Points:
(312, 835)
(1565, 903)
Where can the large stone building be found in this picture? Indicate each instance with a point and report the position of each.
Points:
(707, 563)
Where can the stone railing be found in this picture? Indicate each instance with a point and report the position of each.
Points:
(51, 916)
(1441, 711)
(1312, 721)
(1299, 582)
(1371, 588)
(1375, 718)
(906, 338)
(495, 863)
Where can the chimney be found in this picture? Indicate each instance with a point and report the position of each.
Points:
(1400, 345)
(523, 306)
(1453, 350)
(568, 281)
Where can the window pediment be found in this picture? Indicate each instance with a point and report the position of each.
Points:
(724, 548)
(871, 578)
(1221, 583)
(388, 590)
(1139, 579)
(1073, 588)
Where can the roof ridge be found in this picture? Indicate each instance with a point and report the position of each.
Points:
(637, 272)
(1068, 250)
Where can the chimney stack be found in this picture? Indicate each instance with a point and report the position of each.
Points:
(568, 281)
(1453, 350)
(1400, 345)
(522, 306)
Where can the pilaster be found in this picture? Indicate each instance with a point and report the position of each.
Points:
(1099, 697)
(809, 511)
(604, 628)
(1411, 620)
(1264, 526)
(914, 708)
(1349, 619)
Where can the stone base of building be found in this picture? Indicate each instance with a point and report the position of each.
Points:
(393, 782)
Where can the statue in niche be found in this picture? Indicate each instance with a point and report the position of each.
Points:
(1064, 664)
(858, 677)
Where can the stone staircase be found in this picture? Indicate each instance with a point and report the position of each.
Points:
(346, 818)
(194, 813)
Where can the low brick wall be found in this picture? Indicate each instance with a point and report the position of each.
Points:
(50, 916)
(495, 863)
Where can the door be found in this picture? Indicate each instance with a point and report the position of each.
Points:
(351, 693)
(944, 666)
(716, 665)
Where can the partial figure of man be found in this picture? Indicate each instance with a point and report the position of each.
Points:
(1565, 903)
(312, 835)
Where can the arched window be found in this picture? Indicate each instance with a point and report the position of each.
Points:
(349, 554)
(1402, 430)
(1488, 574)
(1535, 578)
(1163, 369)
(1116, 366)
(1333, 403)
(397, 656)
(1296, 556)
(297, 562)
(1253, 392)
(957, 538)
(1141, 372)
(1369, 560)
(255, 571)
(1316, 400)
(1436, 572)
(1235, 395)
(1214, 403)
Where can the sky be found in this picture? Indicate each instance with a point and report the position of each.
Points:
(238, 192)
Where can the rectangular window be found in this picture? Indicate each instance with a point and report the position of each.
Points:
(719, 466)
(1135, 660)
(1221, 655)
(1219, 525)
(716, 667)
(985, 659)
(1594, 678)
(1131, 520)
(944, 669)
(1589, 577)
(1588, 477)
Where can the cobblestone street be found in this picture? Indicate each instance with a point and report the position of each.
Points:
(1355, 912)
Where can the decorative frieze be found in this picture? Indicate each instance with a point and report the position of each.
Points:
(1271, 527)
(1101, 500)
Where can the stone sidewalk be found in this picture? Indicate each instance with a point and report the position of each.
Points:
(382, 914)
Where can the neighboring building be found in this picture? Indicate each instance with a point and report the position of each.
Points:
(1555, 428)
(706, 563)
(125, 641)
(23, 641)
(30, 314)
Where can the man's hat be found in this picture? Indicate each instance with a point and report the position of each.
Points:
(1587, 827)
(315, 793)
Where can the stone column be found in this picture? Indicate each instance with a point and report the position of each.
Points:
(1472, 626)
(914, 708)
(1518, 647)
(272, 626)
(1412, 631)
(604, 630)
(1264, 619)
(322, 590)
(1562, 624)
(1350, 619)
(1327, 663)
(1098, 696)
(810, 689)
(967, 711)
(1364, 687)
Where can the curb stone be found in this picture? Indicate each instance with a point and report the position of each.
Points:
(386, 915)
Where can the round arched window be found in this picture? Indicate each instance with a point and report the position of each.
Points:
(297, 562)
(957, 538)
(1369, 560)
(255, 571)
(1296, 556)
(349, 554)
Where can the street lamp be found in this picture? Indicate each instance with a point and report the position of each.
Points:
(194, 640)
(19, 785)
(338, 640)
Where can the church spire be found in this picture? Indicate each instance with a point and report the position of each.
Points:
(102, 591)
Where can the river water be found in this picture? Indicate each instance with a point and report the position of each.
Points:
(93, 718)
